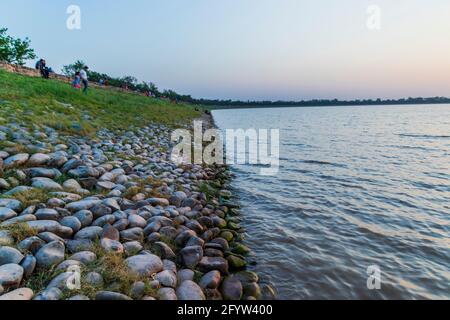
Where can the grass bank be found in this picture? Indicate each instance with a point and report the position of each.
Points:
(35, 101)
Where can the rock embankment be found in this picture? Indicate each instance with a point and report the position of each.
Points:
(116, 214)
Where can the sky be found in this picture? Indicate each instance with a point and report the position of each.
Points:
(250, 49)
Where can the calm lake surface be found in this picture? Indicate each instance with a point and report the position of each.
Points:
(357, 186)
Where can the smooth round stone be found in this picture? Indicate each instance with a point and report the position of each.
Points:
(189, 290)
(71, 222)
(211, 280)
(94, 278)
(170, 265)
(50, 254)
(56, 203)
(51, 294)
(136, 221)
(47, 214)
(138, 290)
(164, 250)
(191, 256)
(232, 288)
(108, 295)
(11, 204)
(71, 185)
(10, 275)
(133, 234)
(7, 213)
(90, 233)
(167, 294)
(16, 160)
(32, 244)
(82, 205)
(85, 217)
(10, 255)
(145, 264)
(61, 281)
(109, 232)
(85, 257)
(50, 237)
(38, 159)
(28, 264)
(102, 221)
(167, 279)
(23, 294)
(132, 247)
(46, 184)
(185, 274)
(112, 245)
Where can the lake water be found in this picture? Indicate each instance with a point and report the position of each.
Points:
(357, 187)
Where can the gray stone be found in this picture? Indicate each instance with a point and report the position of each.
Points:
(145, 265)
(32, 244)
(90, 233)
(185, 274)
(47, 214)
(72, 223)
(191, 256)
(111, 296)
(189, 290)
(132, 247)
(213, 263)
(11, 204)
(138, 290)
(23, 294)
(71, 185)
(211, 280)
(167, 294)
(164, 250)
(38, 159)
(61, 281)
(10, 275)
(16, 160)
(10, 255)
(46, 184)
(112, 245)
(50, 237)
(105, 220)
(136, 221)
(44, 173)
(76, 246)
(51, 294)
(28, 264)
(105, 185)
(85, 257)
(85, 217)
(50, 254)
(133, 234)
(232, 288)
(6, 213)
(82, 205)
(94, 279)
(167, 279)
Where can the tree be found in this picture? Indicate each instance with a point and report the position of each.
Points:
(15, 50)
(22, 51)
(71, 69)
(6, 51)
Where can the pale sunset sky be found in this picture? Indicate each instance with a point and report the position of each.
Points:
(250, 49)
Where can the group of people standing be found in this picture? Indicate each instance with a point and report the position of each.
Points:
(81, 78)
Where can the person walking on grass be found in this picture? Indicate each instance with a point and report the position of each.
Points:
(84, 79)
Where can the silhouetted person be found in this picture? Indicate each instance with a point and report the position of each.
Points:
(41, 65)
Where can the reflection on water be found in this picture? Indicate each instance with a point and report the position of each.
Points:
(357, 186)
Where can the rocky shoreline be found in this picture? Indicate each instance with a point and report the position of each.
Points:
(115, 208)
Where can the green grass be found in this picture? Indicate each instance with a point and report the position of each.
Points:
(35, 101)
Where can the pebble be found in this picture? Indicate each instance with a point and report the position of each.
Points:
(145, 264)
(23, 294)
(189, 290)
(10, 275)
(50, 254)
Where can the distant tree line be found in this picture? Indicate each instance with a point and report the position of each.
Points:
(17, 51)
(14, 50)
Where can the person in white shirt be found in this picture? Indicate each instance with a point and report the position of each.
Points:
(84, 79)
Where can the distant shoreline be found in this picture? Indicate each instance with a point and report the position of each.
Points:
(262, 106)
